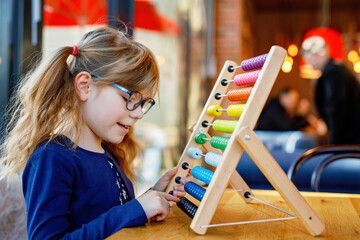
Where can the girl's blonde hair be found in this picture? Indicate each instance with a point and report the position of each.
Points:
(46, 104)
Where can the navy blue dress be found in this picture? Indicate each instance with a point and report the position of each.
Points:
(77, 194)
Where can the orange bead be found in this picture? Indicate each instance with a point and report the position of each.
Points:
(241, 94)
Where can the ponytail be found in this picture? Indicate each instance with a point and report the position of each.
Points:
(39, 111)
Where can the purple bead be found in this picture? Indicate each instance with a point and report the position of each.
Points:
(253, 63)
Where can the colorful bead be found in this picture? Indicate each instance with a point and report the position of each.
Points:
(241, 94)
(225, 126)
(194, 152)
(235, 110)
(199, 138)
(187, 206)
(202, 174)
(248, 78)
(219, 142)
(212, 110)
(253, 63)
(213, 159)
(194, 190)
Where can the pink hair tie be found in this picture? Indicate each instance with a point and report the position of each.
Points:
(75, 50)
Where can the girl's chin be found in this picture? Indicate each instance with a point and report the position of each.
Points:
(116, 140)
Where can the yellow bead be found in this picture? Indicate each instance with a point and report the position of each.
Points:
(235, 110)
(212, 110)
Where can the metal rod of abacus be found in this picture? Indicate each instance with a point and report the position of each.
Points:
(220, 95)
(232, 68)
(255, 221)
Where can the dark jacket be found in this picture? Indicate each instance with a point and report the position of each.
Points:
(274, 118)
(337, 99)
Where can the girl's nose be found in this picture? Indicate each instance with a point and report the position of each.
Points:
(137, 113)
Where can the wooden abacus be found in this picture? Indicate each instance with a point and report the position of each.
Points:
(255, 87)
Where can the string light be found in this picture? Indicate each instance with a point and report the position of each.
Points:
(287, 65)
(357, 65)
(352, 55)
(308, 72)
(289, 59)
(293, 50)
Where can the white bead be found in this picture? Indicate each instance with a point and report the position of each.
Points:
(194, 152)
(213, 159)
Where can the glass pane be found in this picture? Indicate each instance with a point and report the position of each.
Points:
(134, 100)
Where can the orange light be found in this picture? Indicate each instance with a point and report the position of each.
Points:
(293, 50)
(357, 65)
(352, 55)
(289, 59)
(286, 67)
(308, 72)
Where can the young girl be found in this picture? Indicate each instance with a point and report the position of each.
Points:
(72, 136)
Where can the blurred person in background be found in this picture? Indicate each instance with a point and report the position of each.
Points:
(337, 94)
(288, 112)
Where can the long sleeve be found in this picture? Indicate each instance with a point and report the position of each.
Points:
(51, 194)
(334, 110)
(337, 100)
(273, 118)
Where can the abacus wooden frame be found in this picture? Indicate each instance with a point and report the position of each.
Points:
(243, 138)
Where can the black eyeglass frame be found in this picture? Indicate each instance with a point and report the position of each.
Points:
(131, 93)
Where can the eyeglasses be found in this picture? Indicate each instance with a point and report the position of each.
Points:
(135, 98)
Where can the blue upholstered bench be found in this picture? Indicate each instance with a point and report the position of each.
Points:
(342, 176)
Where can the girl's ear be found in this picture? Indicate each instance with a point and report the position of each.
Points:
(82, 84)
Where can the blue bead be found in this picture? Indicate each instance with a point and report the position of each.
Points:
(202, 174)
(194, 190)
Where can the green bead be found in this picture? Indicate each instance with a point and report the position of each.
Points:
(225, 126)
(219, 142)
(199, 138)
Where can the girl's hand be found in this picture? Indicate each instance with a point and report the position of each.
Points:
(163, 182)
(156, 204)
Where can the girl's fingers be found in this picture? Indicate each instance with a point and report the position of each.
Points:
(169, 174)
(179, 193)
(187, 178)
(179, 188)
(169, 197)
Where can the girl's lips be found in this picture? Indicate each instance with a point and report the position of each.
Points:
(124, 127)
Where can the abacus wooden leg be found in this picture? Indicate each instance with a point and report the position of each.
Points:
(279, 180)
(236, 181)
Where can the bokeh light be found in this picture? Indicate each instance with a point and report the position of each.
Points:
(293, 50)
(352, 55)
(286, 67)
(289, 59)
(308, 72)
(357, 65)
